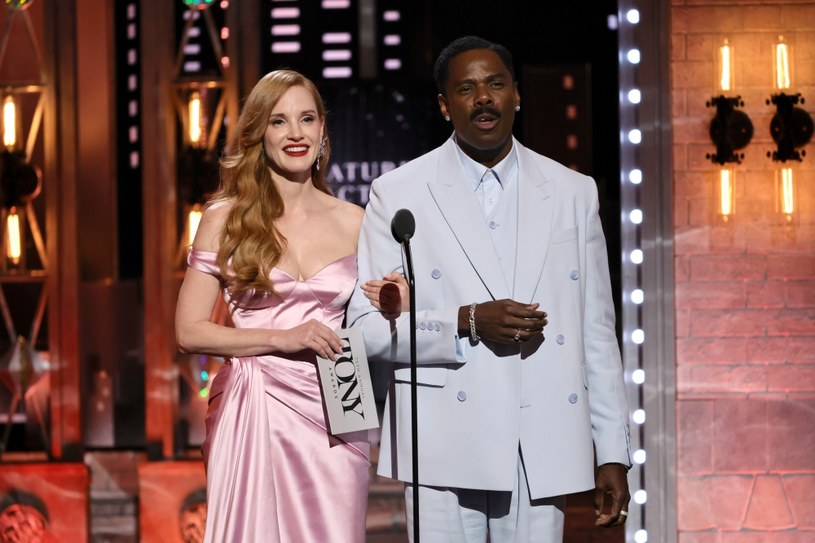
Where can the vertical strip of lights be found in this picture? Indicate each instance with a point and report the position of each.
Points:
(132, 90)
(634, 333)
(286, 27)
(338, 19)
(391, 22)
(129, 168)
(648, 320)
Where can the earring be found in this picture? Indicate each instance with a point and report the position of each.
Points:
(447, 118)
(320, 154)
(517, 108)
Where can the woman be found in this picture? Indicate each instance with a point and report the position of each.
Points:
(282, 252)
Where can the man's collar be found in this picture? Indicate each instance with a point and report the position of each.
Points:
(475, 170)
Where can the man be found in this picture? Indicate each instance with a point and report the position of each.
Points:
(506, 242)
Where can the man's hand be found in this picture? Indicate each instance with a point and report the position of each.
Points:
(611, 484)
(504, 321)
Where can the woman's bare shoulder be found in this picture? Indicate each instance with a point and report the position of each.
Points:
(345, 216)
(350, 213)
(207, 238)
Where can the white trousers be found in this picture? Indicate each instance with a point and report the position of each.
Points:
(457, 515)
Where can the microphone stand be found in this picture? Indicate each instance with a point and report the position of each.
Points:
(403, 226)
(414, 426)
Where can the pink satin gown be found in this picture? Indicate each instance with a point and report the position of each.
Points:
(274, 472)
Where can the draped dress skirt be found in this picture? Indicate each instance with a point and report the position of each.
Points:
(274, 472)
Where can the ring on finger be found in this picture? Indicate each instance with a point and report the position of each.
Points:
(623, 513)
(517, 337)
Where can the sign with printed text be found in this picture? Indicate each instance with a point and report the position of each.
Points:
(347, 388)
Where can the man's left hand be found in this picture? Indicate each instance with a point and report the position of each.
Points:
(611, 487)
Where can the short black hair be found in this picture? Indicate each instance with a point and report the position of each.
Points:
(441, 70)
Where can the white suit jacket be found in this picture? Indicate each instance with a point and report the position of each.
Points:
(561, 400)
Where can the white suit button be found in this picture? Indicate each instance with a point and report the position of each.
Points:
(422, 325)
(574, 275)
(493, 225)
(436, 273)
(572, 398)
(560, 339)
(462, 396)
(437, 327)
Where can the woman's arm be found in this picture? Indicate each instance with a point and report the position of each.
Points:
(196, 333)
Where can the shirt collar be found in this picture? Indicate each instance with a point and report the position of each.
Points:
(475, 170)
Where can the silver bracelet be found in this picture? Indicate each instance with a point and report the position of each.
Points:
(473, 335)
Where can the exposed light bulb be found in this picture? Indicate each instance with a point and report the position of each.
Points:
(13, 235)
(9, 123)
(194, 109)
(782, 64)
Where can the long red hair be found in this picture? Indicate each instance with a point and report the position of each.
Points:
(250, 244)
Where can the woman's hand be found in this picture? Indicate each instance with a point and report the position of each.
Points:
(311, 335)
(390, 295)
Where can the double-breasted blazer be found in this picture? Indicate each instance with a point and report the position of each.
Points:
(561, 400)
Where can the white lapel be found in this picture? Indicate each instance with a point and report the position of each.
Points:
(535, 212)
(454, 197)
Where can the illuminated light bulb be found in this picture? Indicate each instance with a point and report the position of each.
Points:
(633, 16)
(638, 336)
(640, 497)
(638, 376)
(641, 536)
(726, 194)
(635, 136)
(9, 123)
(637, 296)
(635, 176)
(193, 220)
(633, 56)
(787, 194)
(634, 96)
(782, 64)
(638, 416)
(726, 66)
(636, 256)
(13, 242)
(635, 216)
(194, 108)
(640, 456)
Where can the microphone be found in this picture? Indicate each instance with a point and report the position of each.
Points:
(403, 225)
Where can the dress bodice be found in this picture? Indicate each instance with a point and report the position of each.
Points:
(321, 297)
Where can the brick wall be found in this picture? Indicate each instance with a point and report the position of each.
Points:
(745, 290)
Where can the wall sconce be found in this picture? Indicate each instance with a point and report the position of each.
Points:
(791, 126)
(20, 181)
(197, 158)
(730, 129)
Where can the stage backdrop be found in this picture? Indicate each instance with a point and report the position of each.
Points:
(375, 127)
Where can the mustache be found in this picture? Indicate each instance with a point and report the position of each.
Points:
(482, 110)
